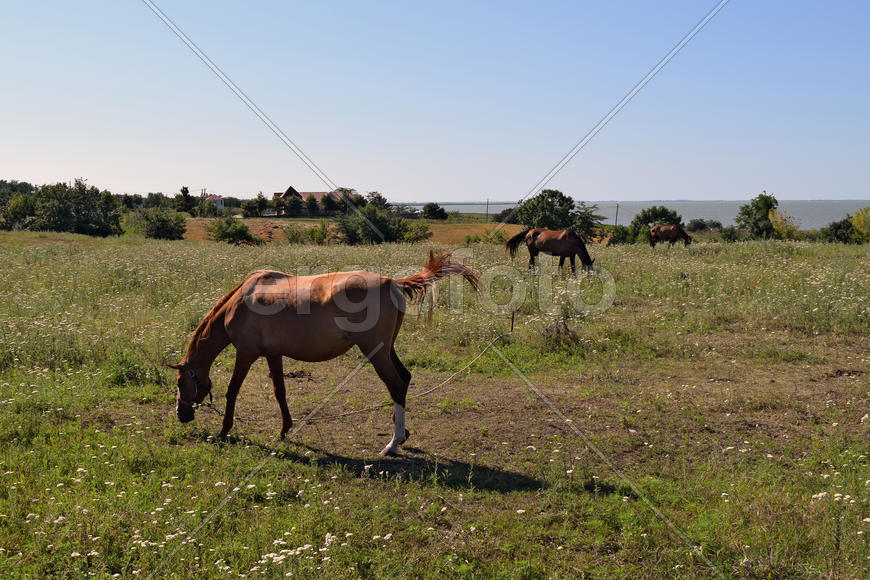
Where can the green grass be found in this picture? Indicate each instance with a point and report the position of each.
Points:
(726, 382)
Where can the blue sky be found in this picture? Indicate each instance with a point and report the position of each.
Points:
(450, 101)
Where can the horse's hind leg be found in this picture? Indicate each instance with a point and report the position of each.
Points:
(562, 263)
(276, 369)
(240, 371)
(532, 260)
(406, 374)
(573, 266)
(397, 385)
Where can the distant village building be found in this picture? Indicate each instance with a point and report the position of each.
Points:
(217, 200)
(303, 195)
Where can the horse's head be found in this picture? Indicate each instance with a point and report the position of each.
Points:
(193, 387)
(688, 239)
(590, 266)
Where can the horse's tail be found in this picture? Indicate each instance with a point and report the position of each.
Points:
(438, 267)
(514, 243)
(650, 238)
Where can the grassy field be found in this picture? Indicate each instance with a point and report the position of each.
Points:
(718, 398)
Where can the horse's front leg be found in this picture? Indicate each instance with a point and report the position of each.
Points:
(573, 266)
(240, 371)
(276, 369)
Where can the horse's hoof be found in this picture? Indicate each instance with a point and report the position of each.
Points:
(407, 435)
(389, 451)
(223, 437)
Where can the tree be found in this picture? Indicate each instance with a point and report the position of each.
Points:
(161, 224)
(842, 231)
(861, 223)
(586, 219)
(262, 203)
(280, 206)
(20, 210)
(344, 198)
(433, 211)
(785, 227)
(657, 214)
(328, 204)
(293, 206)
(78, 209)
(549, 209)
(376, 199)
(755, 216)
(184, 201)
(232, 202)
(506, 216)
(155, 200)
(700, 225)
(250, 208)
(311, 205)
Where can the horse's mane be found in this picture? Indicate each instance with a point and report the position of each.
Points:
(202, 331)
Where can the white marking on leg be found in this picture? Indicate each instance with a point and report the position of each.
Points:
(398, 431)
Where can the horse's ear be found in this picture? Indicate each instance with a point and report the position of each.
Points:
(177, 367)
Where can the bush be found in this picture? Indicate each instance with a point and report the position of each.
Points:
(842, 231)
(731, 234)
(162, 224)
(700, 225)
(621, 235)
(319, 235)
(417, 231)
(231, 230)
(356, 228)
(785, 227)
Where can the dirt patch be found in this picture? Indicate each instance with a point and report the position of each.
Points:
(845, 373)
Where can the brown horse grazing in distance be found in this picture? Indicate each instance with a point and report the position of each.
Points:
(562, 243)
(309, 318)
(670, 234)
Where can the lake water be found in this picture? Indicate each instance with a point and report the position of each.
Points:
(811, 214)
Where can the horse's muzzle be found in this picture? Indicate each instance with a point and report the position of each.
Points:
(184, 413)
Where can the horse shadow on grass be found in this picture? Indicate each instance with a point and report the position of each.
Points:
(413, 465)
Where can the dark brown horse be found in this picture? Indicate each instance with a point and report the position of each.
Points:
(670, 234)
(562, 243)
(309, 318)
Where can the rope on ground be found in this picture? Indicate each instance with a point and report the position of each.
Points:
(424, 393)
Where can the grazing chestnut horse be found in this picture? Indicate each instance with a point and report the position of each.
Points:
(562, 243)
(309, 318)
(670, 234)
